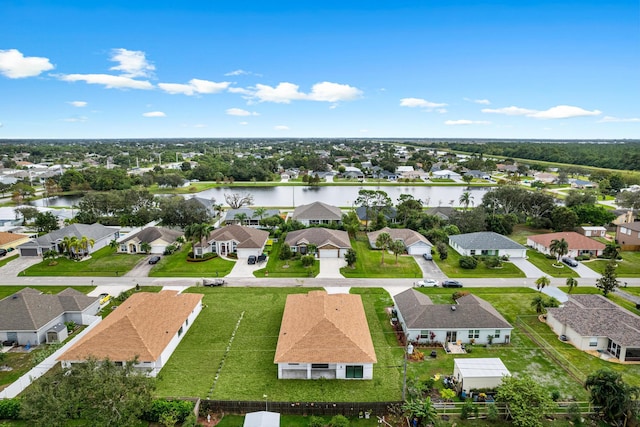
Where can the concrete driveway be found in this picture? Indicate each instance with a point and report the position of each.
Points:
(330, 268)
(529, 270)
(429, 269)
(585, 271)
(141, 269)
(14, 267)
(243, 269)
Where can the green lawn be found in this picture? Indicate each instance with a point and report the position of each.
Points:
(104, 262)
(368, 263)
(628, 267)
(291, 268)
(7, 259)
(546, 265)
(176, 265)
(451, 267)
(248, 371)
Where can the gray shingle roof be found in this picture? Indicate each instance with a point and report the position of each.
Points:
(596, 316)
(317, 211)
(94, 231)
(318, 236)
(151, 234)
(29, 309)
(484, 240)
(247, 237)
(471, 312)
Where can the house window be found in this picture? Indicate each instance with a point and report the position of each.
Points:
(424, 335)
(485, 252)
(186, 322)
(319, 366)
(472, 252)
(355, 371)
(474, 333)
(180, 331)
(123, 248)
(593, 342)
(497, 333)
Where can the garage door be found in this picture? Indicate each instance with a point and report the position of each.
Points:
(328, 253)
(419, 250)
(29, 252)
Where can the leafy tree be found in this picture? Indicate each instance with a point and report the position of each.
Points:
(28, 212)
(145, 247)
(470, 221)
(46, 222)
(580, 197)
(443, 250)
(350, 257)
(285, 252)
(308, 260)
(572, 282)
(615, 399)
(612, 250)
(563, 218)
(468, 262)
(237, 200)
(608, 281)
(422, 409)
(559, 248)
(542, 281)
(629, 199)
(351, 223)
(397, 247)
(96, 391)
(383, 241)
(259, 212)
(528, 401)
(467, 178)
(196, 232)
(176, 211)
(537, 303)
(407, 206)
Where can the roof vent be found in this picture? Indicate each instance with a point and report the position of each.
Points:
(453, 308)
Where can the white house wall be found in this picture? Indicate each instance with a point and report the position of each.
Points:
(462, 335)
(246, 252)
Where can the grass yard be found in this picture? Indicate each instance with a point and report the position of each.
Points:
(8, 258)
(368, 263)
(546, 265)
(290, 268)
(103, 263)
(248, 371)
(176, 265)
(628, 267)
(451, 267)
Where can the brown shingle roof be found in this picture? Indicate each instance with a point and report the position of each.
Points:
(576, 241)
(6, 238)
(409, 237)
(247, 237)
(141, 326)
(319, 236)
(322, 328)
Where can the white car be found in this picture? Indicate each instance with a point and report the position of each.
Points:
(426, 282)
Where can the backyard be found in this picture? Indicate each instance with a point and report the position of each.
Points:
(104, 263)
(176, 265)
(368, 263)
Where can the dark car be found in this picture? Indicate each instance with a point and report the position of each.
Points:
(252, 259)
(154, 259)
(427, 256)
(570, 262)
(3, 252)
(451, 284)
(262, 257)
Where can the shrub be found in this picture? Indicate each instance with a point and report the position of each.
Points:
(574, 414)
(339, 421)
(443, 251)
(492, 412)
(492, 262)
(467, 409)
(316, 421)
(555, 395)
(307, 260)
(9, 409)
(468, 262)
(459, 294)
(161, 408)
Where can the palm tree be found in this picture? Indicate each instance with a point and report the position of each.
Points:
(541, 282)
(382, 242)
(259, 212)
(67, 243)
(397, 247)
(466, 198)
(612, 250)
(241, 218)
(196, 232)
(572, 282)
(559, 248)
(113, 244)
(83, 245)
(538, 304)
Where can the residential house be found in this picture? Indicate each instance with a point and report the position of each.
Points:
(545, 177)
(478, 174)
(30, 317)
(446, 174)
(262, 419)
(324, 336)
(100, 234)
(158, 238)
(622, 216)
(592, 231)
(317, 213)
(578, 244)
(329, 243)
(502, 167)
(251, 218)
(12, 240)
(367, 215)
(486, 243)
(147, 325)
(244, 241)
(469, 320)
(442, 212)
(403, 169)
(593, 323)
(582, 184)
(628, 236)
(209, 204)
(414, 242)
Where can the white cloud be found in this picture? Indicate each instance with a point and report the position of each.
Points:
(240, 90)
(564, 112)
(419, 103)
(466, 122)
(154, 114)
(286, 92)
(78, 104)
(15, 65)
(509, 111)
(557, 112)
(442, 110)
(195, 86)
(611, 119)
(240, 112)
(109, 81)
(133, 63)
(245, 123)
(281, 127)
(241, 72)
(478, 101)
(76, 119)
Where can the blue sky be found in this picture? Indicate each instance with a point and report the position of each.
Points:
(422, 69)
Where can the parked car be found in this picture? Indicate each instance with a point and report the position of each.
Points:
(262, 257)
(104, 298)
(3, 252)
(213, 282)
(451, 284)
(154, 259)
(427, 256)
(426, 282)
(570, 262)
(252, 259)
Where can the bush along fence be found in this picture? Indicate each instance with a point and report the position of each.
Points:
(348, 409)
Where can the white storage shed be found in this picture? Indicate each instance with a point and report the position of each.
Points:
(479, 373)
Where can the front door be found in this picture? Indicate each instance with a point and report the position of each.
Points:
(452, 336)
(12, 336)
